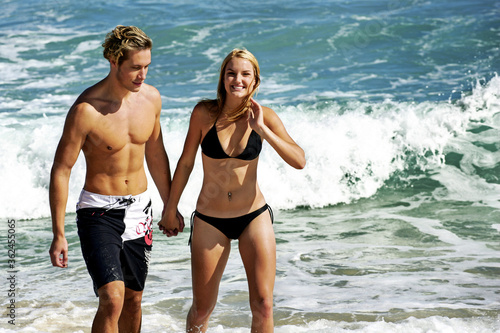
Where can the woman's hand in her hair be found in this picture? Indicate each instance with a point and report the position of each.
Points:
(256, 116)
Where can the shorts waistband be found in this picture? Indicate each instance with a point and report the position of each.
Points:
(94, 200)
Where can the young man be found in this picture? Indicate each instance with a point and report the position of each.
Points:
(116, 123)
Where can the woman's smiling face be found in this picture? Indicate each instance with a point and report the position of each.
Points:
(239, 78)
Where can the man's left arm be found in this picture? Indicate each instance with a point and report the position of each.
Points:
(156, 157)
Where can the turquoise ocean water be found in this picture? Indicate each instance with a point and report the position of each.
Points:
(393, 226)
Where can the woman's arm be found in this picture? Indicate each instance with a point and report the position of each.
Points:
(182, 172)
(269, 126)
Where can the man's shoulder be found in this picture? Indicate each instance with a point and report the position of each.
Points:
(90, 98)
(85, 104)
(151, 95)
(150, 92)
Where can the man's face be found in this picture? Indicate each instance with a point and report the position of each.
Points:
(132, 72)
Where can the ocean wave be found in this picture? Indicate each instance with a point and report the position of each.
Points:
(353, 150)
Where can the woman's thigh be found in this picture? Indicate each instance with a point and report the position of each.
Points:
(209, 254)
(257, 247)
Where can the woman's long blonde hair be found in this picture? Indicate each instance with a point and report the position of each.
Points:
(218, 104)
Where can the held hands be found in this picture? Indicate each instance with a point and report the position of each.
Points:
(171, 225)
(59, 248)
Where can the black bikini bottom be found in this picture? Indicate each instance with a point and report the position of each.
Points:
(231, 227)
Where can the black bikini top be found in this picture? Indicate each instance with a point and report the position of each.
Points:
(211, 147)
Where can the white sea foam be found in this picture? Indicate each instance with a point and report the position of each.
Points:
(351, 150)
(69, 318)
(90, 45)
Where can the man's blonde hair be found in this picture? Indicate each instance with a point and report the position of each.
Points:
(123, 39)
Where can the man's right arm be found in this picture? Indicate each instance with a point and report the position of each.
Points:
(68, 149)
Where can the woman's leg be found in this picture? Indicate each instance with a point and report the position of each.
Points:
(258, 251)
(209, 254)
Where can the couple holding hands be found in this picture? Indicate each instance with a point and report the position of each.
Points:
(116, 123)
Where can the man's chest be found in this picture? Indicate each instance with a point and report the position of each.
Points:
(115, 131)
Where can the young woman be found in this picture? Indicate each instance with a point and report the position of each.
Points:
(230, 130)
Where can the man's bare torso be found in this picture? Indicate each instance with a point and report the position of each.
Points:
(114, 147)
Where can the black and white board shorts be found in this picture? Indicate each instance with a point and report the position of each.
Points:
(116, 237)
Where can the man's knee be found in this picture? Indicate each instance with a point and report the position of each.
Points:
(132, 302)
(111, 296)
